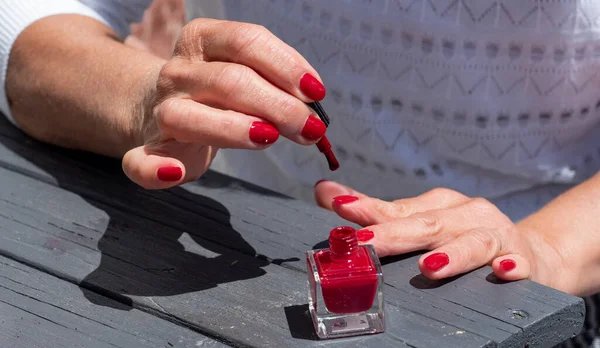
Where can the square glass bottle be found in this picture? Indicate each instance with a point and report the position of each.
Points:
(345, 287)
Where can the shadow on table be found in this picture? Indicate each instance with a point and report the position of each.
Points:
(141, 248)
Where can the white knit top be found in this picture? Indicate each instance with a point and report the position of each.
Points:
(492, 98)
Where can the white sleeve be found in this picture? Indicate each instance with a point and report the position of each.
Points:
(119, 14)
(16, 15)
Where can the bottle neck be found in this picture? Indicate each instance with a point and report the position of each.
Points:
(343, 242)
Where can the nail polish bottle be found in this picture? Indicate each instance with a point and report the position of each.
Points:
(345, 287)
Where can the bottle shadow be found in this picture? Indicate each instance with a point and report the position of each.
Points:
(155, 243)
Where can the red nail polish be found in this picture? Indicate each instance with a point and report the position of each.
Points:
(324, 147)
(313, 128)
(312, 88)
(364, 235)
(263, 133)
(341, 200)
(507, 265)
(437, 261)
(346, 298)
(169, 173)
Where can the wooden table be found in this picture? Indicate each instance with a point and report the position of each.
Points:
(87, 259)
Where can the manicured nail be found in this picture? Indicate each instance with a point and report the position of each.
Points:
(312, 88)
(341, 200)
(507, 265)
(263, 133)
(169, 173)
(318, 182)
(437, 261)
(313, 128)
(364, 235)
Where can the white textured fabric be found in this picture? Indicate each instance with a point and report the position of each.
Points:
(16, 15)
(494, 98)
(489, 97)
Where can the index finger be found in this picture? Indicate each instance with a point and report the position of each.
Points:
(256, 47)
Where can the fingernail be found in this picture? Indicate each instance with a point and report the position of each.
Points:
(507, 265)
(341, 200)
(263, 133)
(312, 88)
(437, 261)
(318, 182)
(169, 173)
(364, 235)
(313, 128)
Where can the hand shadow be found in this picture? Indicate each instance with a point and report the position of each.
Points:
(142, 247)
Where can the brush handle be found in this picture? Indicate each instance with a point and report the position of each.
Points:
(320, 112)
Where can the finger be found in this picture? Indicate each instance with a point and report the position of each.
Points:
(237, 87)
(190, 122)
(511, 267)
(370, 211)
(151, 171)
(434, 228)
(166, 165)
(256, 47)
(326, 190)
(466, 252)
(412, 233)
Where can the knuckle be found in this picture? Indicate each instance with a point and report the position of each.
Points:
(402, 209)
(432, 224)
(481, 204)
(444, 194)
(287, 107)
(172, 74)
(231, 79)
(243, 39)
(487, 239)
(190, 38)
(384, 209)
(171, 114)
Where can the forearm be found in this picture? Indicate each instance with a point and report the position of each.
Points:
(571, 221)
(72, 83)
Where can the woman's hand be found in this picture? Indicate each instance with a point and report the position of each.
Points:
(228, 85)
(159, 29)
(462, 234)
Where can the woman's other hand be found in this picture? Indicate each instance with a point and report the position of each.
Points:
(460, 233)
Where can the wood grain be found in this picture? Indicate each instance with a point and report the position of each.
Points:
(39, 310)
(226, 258)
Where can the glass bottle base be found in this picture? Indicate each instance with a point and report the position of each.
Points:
(346, 325)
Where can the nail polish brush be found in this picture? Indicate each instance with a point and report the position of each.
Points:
(324, 145)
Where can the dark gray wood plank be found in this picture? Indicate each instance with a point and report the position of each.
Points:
(176, 276)
(39, 310)
(130, 243)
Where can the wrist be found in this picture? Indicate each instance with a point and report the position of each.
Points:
(556, 261)
(142, 105)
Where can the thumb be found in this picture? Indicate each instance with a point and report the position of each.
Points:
(511, 267)
(152, 171)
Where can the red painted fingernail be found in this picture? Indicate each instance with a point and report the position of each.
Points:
(341, 200)
(313, 128)
(318, 182)
(437, 261)
(312, 88)
(169, 173)
(263, 133)
(364, 235)
(507, 265)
